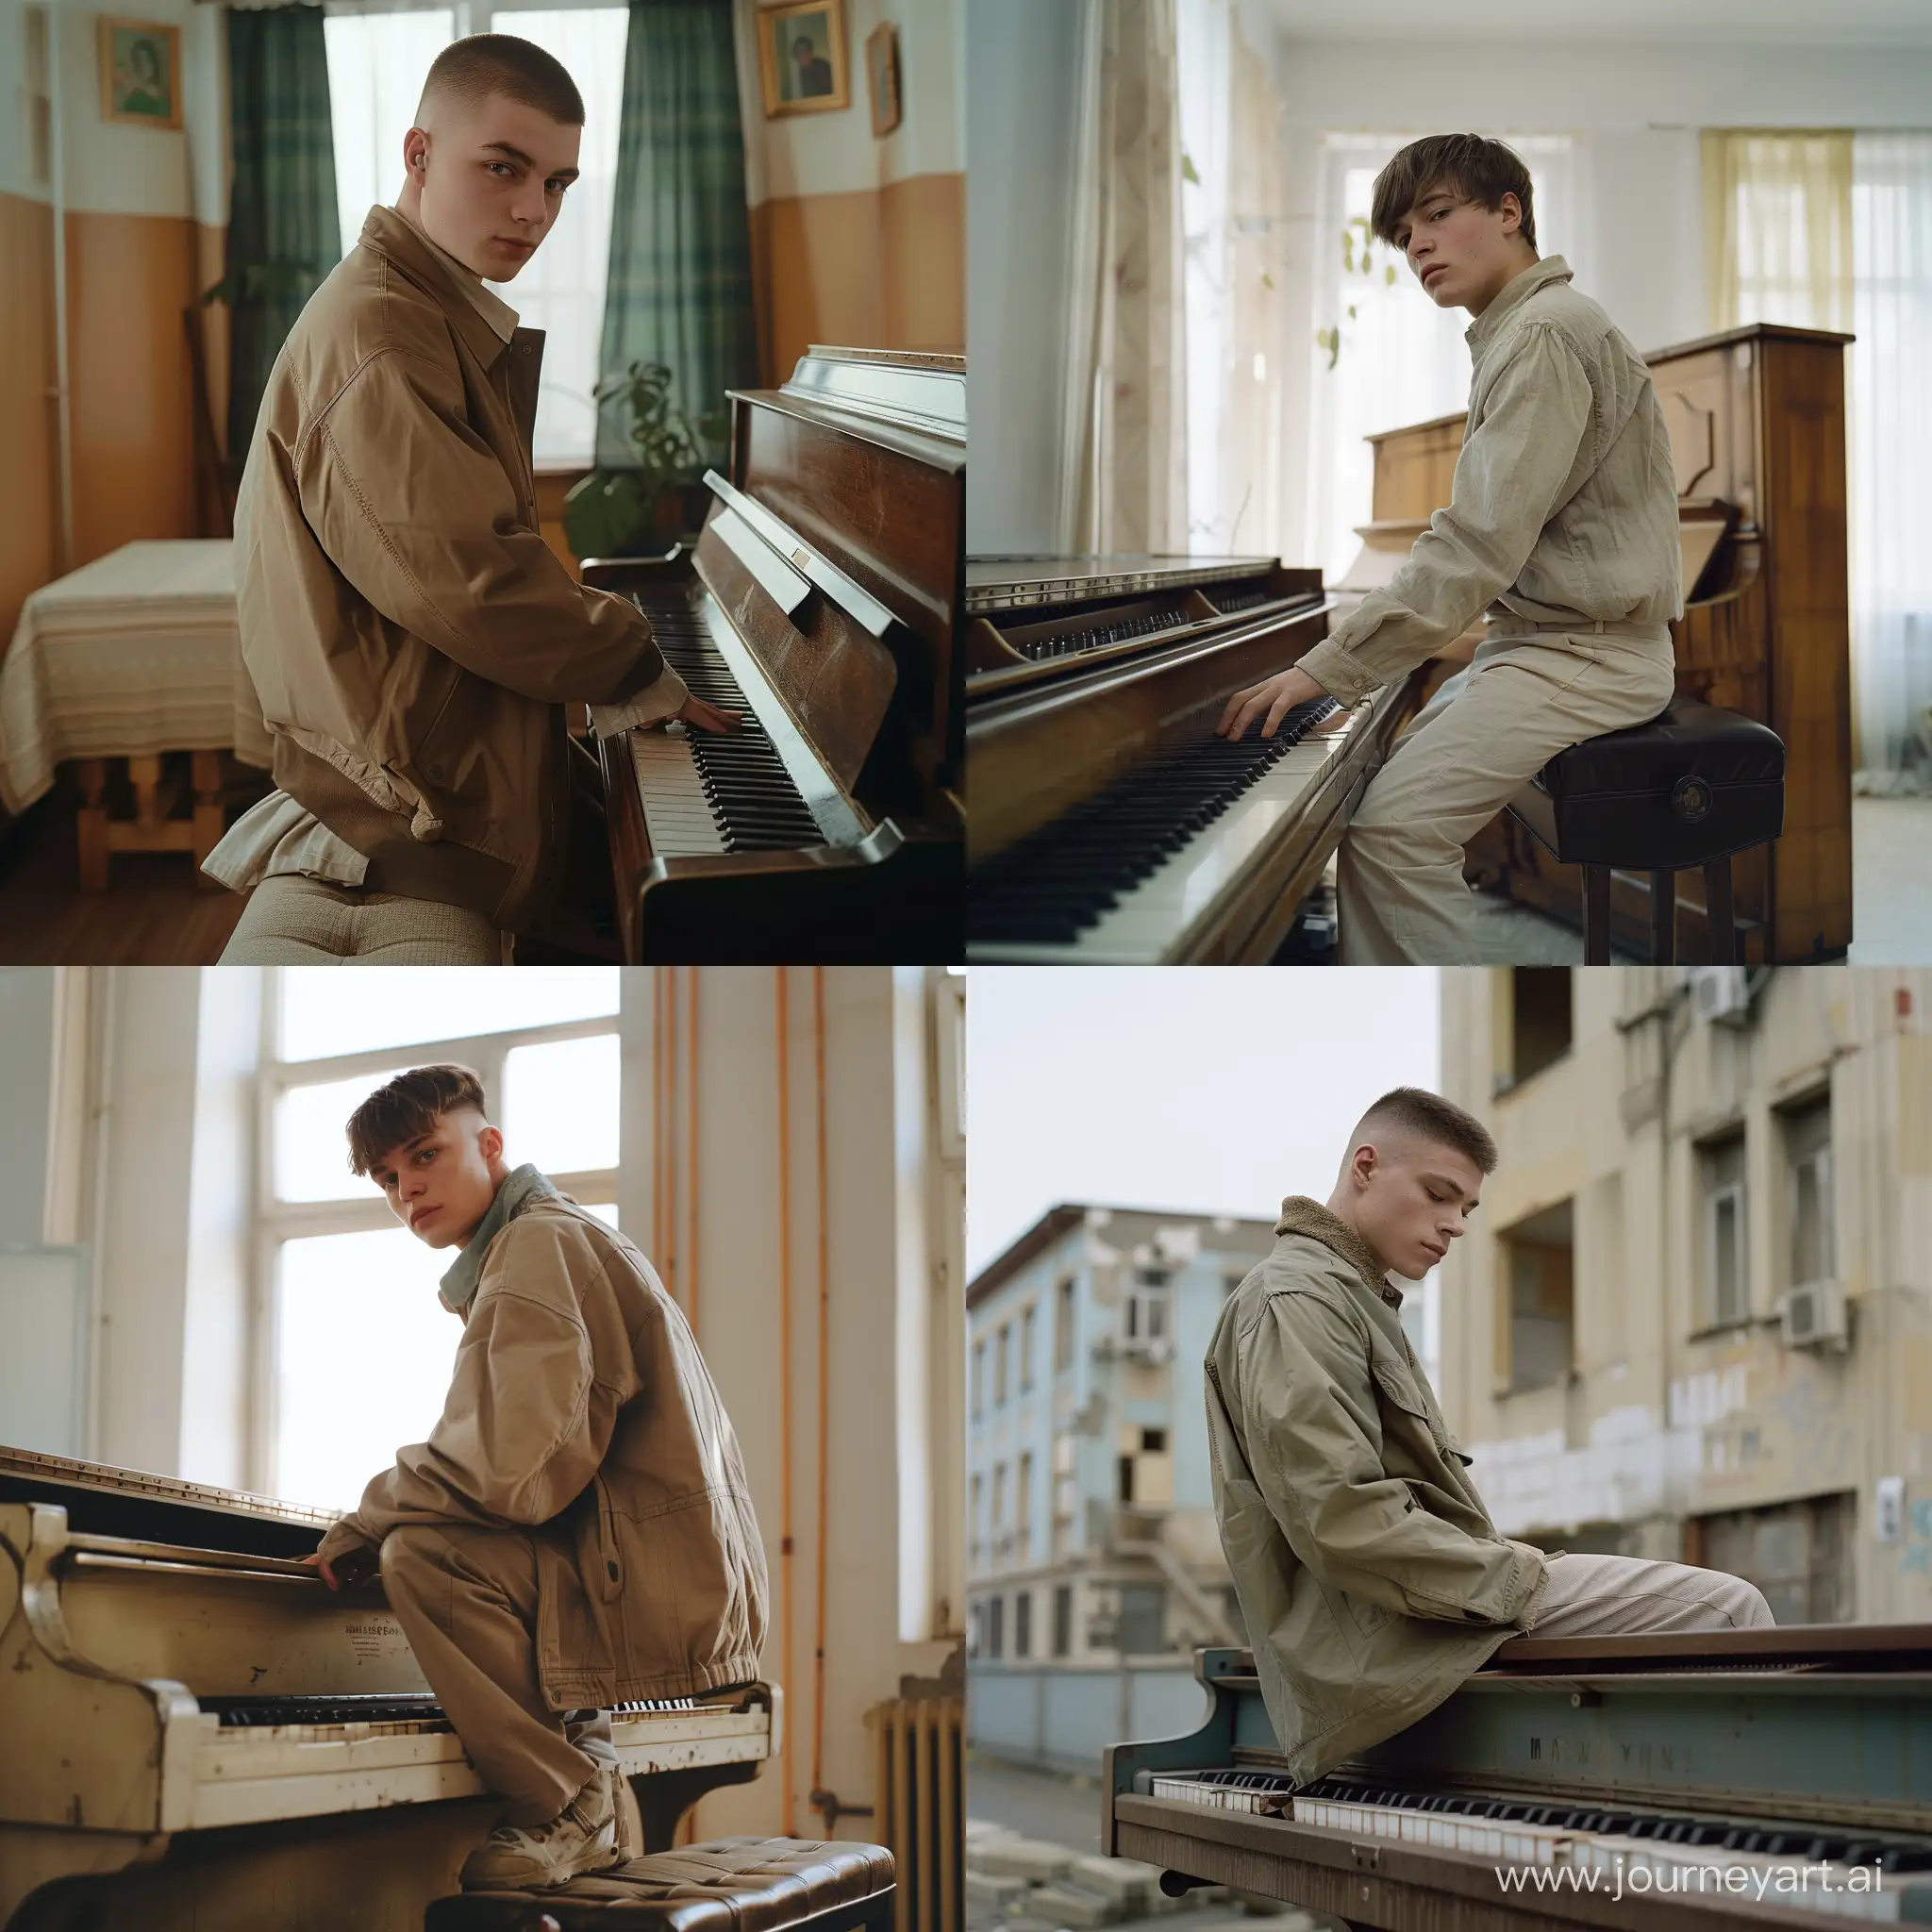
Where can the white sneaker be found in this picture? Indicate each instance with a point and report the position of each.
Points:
(582, 1838)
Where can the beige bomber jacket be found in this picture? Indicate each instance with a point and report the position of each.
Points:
(1564, 508)
(410, 635)
(1369, 1577)
(580, 1411)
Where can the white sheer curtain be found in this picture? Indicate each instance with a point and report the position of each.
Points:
(1396, 358)
(376, 62)
(1891, 459)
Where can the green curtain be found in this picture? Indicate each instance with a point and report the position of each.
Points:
(283, 227)
(679, 289)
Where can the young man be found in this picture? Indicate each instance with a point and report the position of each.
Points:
(1562, 521)
(577, 1529)
(1370, 1576)
(412, 637)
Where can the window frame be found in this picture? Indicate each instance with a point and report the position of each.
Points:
(277, 1222)
(1711, 1195)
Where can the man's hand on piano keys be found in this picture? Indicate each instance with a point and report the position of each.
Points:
(350, 1570)
(706, 717)
(1276, 696)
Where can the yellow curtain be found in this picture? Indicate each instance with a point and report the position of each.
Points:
(1777, 226)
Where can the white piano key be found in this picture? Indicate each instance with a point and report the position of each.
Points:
(676, 813)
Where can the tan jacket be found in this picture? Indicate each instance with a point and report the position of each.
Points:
(1564, 508)
(1371, 1579)
(410, 635)
(580, 1410)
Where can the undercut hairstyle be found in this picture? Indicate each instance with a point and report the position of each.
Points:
(1431, 1117)
(403, 1109)
(470, 71)
(1467, 165)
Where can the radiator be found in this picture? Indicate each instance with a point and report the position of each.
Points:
(919, 1806)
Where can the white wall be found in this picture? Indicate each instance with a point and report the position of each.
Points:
(26, 1028)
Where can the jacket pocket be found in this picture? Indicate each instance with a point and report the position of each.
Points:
(1399, 1386)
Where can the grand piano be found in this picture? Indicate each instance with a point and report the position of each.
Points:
(1604, 1771)
(1110, 825)
(820, 601)
(197, 1735)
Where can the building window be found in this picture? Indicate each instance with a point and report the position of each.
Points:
(996, 1627)
(999, 1505)
(1541, 1018)
(1807, 1195)
(979, 1378)
(1002, 1350)
(339, 1266)
(1144, 1317)
(1146, 1469)
(1022, 1505)
(976, 1516)
(1063, 1326)
(1143, 1619)
(1726, 1277)
(1537, 1334)
(1023, 1624)
(1063, 1619)
(1065, 1495)
(1798, 1553)
(1028, 1326)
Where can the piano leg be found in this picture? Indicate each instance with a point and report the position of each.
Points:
(665, 1796)
(1596, 915)
(1663, 917)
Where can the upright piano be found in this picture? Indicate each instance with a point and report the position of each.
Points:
(1756, 418)
(1604, 1773)
(197, 1735)
(820, 601)
(1110, 825)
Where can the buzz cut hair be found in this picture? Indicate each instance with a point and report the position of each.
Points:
(470, 71)
(1470, 166)
(406, 1107)
(1432, 1117)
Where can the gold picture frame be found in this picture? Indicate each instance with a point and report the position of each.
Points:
(882, 78)
(802, 63)
(141, 72)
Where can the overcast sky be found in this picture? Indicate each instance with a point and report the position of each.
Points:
(1209, 1088)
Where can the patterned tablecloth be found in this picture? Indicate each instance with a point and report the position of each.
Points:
(137, 652)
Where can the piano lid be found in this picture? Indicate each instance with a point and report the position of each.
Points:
(1012, 583)
(919, 391)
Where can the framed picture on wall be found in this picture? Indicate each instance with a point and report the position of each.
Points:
(882, 76)
(802, 65)
(141, 72)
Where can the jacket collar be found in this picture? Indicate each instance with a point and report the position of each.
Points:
(485, 321)
(1301, 1215)
(521, 1185)
(1482, 331)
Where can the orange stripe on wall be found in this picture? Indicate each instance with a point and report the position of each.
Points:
(29, 514)
(877, 269)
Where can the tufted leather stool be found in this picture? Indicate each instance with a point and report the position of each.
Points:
(1690, 787)
(729, 1885)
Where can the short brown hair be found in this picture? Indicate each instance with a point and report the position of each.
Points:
(472, 70)
(1477, 169)
(1434, 1118)
(408, 1107)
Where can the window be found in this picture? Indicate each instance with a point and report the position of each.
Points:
(1022, 1505)
(1023, 1624)
(1063, 1619)
(1027, 1325)
(975, 1517)
(995, 1625)
(1063, 1326)
(1808, 1194)
(1143, 1317)
(337, 1265)
(1798, 1553)
(979, 1376)
(1002, 1351)
(1539, 1011)
(1726, 1279)
(376, 64)
(1539, 1259)
(999, 1503)
(1065, 1494)
(1143, 1619)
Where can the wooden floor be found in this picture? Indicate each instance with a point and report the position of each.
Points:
(157, 910)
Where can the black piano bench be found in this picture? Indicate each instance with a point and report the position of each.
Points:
(729, 1885)
(1690, 787)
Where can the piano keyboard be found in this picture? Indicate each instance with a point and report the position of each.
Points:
(1118, 878)
(379, 1709)
(736, 791)
(1521, 1832)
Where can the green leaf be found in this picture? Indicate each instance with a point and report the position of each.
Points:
(1267, 280)
(606, 513)
(1389, 275)
(1187, 172)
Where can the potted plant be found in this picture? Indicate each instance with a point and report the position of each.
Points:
(646, 508)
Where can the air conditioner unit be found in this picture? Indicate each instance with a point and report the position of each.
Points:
(1155, 1352)
(1720, 993)
(1814, 1316)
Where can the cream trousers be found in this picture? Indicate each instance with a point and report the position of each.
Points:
(1478, 741)
(1629, 1596)
(467, 1602)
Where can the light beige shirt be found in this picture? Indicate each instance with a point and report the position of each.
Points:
(277, 835)
(1564, 508)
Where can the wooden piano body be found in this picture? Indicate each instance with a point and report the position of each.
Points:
(822, 598)
(1086, 674)
(1756, 419)
(1633, 1758)
(197, 1732)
